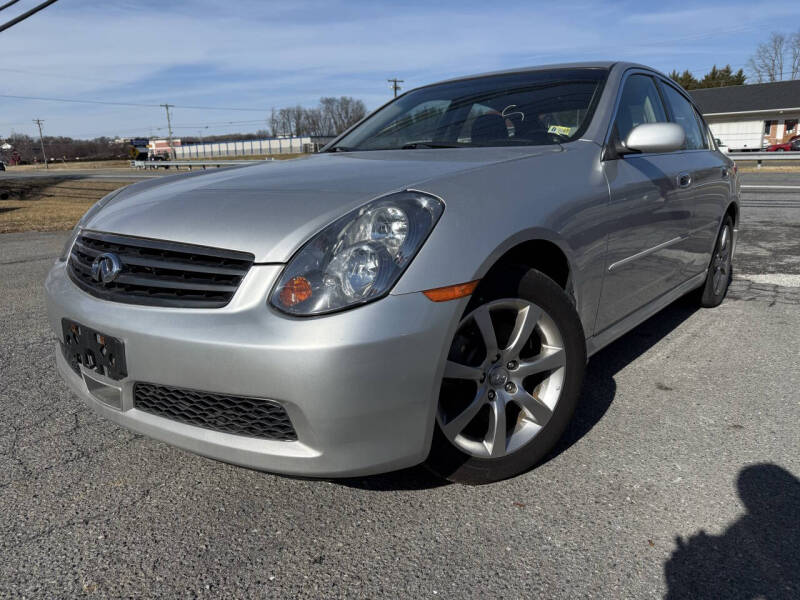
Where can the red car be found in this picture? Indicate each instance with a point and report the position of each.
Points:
(792, 144)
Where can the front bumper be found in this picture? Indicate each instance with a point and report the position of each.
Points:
(360, 386)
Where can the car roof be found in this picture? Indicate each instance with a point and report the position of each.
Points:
(596, 64)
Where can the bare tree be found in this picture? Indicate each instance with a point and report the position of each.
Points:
(331, 117)
(767, 63)
(315, 124)
(342, 112)
(794, 55)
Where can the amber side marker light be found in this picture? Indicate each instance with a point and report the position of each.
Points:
(451, 292)
(295, 291)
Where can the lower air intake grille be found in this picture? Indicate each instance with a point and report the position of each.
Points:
(252, 417)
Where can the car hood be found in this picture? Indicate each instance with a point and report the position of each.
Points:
(271, 209)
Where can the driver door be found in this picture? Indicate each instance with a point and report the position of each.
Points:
(645, 191)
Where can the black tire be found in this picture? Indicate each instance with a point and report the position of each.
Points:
(518, 282)
(714, 290)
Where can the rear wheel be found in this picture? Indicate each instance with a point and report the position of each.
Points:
(720, 271)
(512, 379)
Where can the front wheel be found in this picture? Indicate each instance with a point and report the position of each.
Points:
(512, 379)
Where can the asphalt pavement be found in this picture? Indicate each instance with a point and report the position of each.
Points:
(678, 478)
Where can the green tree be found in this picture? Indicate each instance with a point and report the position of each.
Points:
(714, 78)
(722, 77)
(686, 80)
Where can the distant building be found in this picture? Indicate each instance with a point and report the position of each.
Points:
(162, 147)
(751, 117)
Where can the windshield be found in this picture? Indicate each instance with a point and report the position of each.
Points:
(519, 109)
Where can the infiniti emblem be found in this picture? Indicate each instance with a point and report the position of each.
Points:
(106, 267)
(498, 377)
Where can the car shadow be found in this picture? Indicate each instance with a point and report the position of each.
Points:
(599, 389)
(414, 478)
(757, 556)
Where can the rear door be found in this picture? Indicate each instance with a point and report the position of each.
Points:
(645, 202)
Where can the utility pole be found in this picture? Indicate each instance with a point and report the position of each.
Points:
(396, 85)
(41, 141)
(169, 129)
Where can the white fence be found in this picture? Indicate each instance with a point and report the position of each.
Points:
(244, 148)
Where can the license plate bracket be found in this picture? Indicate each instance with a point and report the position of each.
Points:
(98, 352)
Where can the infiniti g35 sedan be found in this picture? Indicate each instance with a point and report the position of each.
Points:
(428, 288)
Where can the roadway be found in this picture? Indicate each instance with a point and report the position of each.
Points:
(678, 476)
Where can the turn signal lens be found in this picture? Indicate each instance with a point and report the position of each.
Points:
(296, 290)
(451, 292)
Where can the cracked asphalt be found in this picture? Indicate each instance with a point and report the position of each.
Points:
(678, 477)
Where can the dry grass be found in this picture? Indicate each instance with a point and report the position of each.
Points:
(77, 165)
(769, 169)
(74, 165)
(48, 204)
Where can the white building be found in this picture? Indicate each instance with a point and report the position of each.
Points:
(751, 117)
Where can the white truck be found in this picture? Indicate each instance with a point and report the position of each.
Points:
(740, 135)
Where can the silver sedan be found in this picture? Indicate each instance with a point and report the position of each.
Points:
(426, 289)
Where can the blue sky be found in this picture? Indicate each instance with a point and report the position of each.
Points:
(263, 54)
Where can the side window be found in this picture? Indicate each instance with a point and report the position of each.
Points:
(639, 103)
(708, 137)
(683, 114)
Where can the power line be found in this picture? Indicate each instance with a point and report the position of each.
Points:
(7, 4)
(25, 15)
(107, 102)
(60, 75)
(151, 128)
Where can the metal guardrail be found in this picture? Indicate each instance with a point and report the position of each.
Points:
(163, 164)
(759, 157)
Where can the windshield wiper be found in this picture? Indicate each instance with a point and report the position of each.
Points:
(341, 149)
(415, 145)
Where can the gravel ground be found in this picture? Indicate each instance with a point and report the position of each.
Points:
(677, 479)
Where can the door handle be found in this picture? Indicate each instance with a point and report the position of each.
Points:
(724, 172)
(684, 180)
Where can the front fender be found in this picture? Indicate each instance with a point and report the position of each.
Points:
(560, 198)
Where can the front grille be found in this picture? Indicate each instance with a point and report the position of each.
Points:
(252, 417)
(159, 273)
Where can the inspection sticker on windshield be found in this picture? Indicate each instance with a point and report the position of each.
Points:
(560, 130)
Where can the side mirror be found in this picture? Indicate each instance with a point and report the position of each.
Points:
(718, 142)
(655, 137)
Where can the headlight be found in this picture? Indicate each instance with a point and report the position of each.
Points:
(68, 246)
(359, 257)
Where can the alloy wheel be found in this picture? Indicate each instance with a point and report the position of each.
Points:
(503, 378)
(722, 261)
